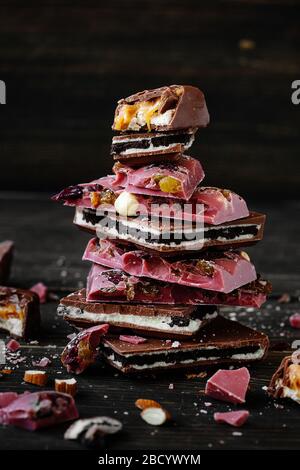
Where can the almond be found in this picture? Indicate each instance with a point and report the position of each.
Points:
(35, 377)
(68, 386)
(155, 416)
(143, 403)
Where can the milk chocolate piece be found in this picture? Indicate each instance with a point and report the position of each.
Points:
(221, 342)
(285, 383)
(6, 256)
(106, 285)
(19, 312)
(162, 109)
(170, 238)
(136, 149)
(160, 320)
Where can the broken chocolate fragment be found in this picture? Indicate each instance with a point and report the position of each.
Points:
(81, 351)
(38, 410)
(221, 341)
(114, 285)
(137, 149)
(285, 383)
(234, 418)
(19, 312)
(169, 237)
(216, 271)
(229, 385)
(150, 320)
(162, 109)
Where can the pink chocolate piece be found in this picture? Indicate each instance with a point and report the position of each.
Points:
(132, 339)
(6, 398)
(219, 271)
(41, 290)
(80, 194)
(209, 205)
(6, 255)
(186, 170)
(295, 320)
(40, 409)
(44, 362)
(234, 418)
(107, 284)
(221, 205)
(81, 351)
(13, 345)
(229, 385)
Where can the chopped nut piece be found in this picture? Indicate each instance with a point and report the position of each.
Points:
(155, 416)
(36, 377)
(143, 403)
(66, 386)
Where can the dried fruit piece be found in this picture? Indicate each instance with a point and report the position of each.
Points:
(168, 184)
(155, 416)
(36, 377)
(68, 386)
(143, 403)
(93, 431)
(81, 351)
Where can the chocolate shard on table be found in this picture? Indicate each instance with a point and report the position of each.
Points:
(137, 148)
(37, 410)
(171, 237)
(166, 108)
(285, 383)
(114, 285)
(19, 312)
(210, 205)
(220, 342)
(220, 271)
(6, 256)
(177, 178)
(146, 319)
(81, 351)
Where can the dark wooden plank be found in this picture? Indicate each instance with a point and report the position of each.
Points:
(49, 249)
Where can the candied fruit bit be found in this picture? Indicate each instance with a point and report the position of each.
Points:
(125, 115)
(168, 184)
(95, 198)
(205, 268)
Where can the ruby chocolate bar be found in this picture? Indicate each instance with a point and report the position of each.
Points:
(6, 254)
(19, 312)
(177, 178)
(162, 109)
(217, 271)
(220, 342)
(171, 237)
(212, 206)
(285, 383)
(114, 285)
(146, 319)
(132, 148)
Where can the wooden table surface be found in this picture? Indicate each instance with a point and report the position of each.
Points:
(49, 249)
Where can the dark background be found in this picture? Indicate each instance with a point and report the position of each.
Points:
(66, 63)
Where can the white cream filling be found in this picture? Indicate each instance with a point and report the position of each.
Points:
(112, 231)
(156, 323)
(249, 356)
(152, 148)
(161, 120)
(13, 325)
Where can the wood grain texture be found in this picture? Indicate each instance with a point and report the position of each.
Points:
(66, 64)
(50, 249)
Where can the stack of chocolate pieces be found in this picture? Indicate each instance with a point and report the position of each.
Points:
(167, 251)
